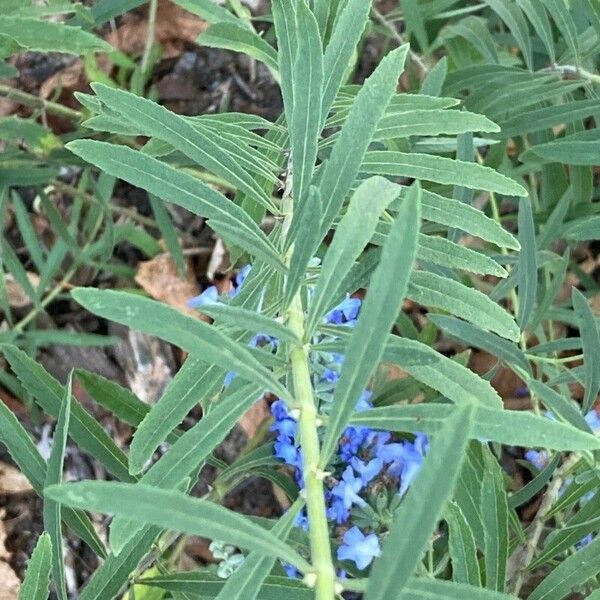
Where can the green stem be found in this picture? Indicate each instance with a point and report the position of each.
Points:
(36, 102)
(323, 575)
(313, 478)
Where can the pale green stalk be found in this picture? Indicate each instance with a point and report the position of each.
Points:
(323, 575)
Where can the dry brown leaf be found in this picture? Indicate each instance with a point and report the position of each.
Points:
(12, 481)
(161, 279)
(254, 418)
(174, 27)
(17, 298)
(71, 78)
(9, 583)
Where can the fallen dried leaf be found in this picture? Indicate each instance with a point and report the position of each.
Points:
(9, 582)
(17, 298)
(161, 279)
(12, 481)
(174, 27)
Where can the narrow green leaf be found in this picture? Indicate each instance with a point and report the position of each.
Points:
(541, 23)
(590, 338)
(173, 510)
(159, 122)
(527, 265)
(467, 303)
(440, 170)
(351, 236)
(417, 517)
(528, 491)
(246, 581)
(351, 23)
(206, 9)
(47, 36)
(305, 125)
(561, 13)
(423, 588)
(115, 572)
(284, 18)
(570, 574)
(209, 585)
(340, 170)
(433, 83)
(447, 376)
(52, 509)
(306, 221)
(27, 457)
(548, 117)
(192, 383)
(178, 187)
(84, 430)
(507, 351)
(169, 233)
(250, 320)
(558, 405)
(509, 427)
(453, 213)
(587, 228)
(190, 451)
(462, 548)
(377, 316)
(494, 515)
(511, 14)
(37, 576)
(192, 335)
(233, 36)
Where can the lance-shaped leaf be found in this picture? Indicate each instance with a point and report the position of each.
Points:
(246, 581)
(440, 170)
(249, 320)
(178, 187)
(462, 547)
(284, 18)
(431, 289)
(377, 316)
(157, 121)
(52, 510)
(190, 451)
(84, 430)
(342, 167)
(27, 457)
(416, 518)
(238, 38)
(509, 427)
(305, 125)
(590, 338)
(527, 265)
(351, 23)
(352, 235)
(174, 510)
(192, 335)
(37, 576)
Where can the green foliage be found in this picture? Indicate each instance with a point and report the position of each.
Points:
(467, 193)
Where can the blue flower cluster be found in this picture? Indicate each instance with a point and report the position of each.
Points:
(211, 294)
(367, 462)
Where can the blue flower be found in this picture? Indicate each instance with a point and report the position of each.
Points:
(347, 489)
(286, 451)
(345, 313)
(539, 459)
(359, 548)
(286, 428)
(593, 420)
(209, 296)
(279, 409)
(352, 440)
(241, 277)
(290, 570)
(301, 520)
(337, 511)
(367, 471)
(330, 375)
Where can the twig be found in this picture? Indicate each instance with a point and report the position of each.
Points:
(37, 102)
(414, 57)
(537, 526)
(149, 35)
